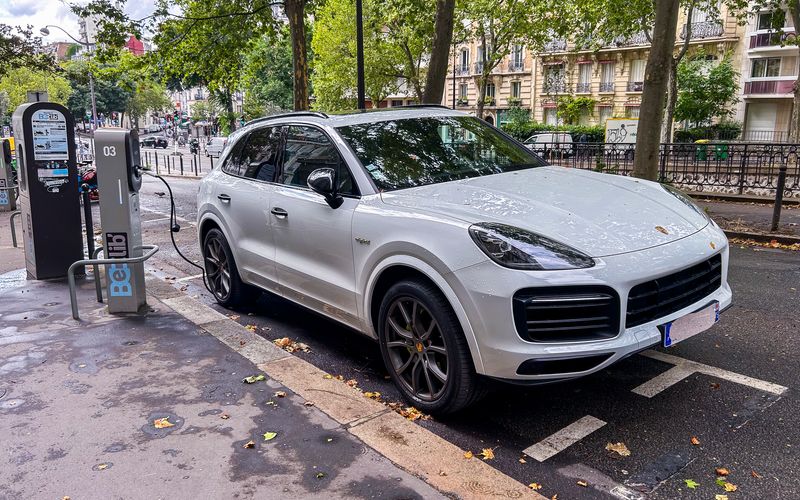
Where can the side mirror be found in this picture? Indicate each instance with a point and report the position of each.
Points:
(323, 181)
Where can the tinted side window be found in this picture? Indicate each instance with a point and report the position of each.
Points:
(260, 156)
(232, 163)
(308, 149)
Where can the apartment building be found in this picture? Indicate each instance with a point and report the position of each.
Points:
(769, 71)
(612, 76)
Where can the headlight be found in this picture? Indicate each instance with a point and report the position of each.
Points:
(677, 193)
(519, 249)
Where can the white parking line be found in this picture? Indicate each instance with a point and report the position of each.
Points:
(684, 367)
(564, 438)
(188, 278)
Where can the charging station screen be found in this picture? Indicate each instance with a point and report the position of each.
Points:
(50, 148)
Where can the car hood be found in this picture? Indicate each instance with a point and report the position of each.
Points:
(598, 214)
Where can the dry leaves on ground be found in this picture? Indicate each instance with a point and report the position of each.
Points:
(720, 497)
(535, 486)
(408, 412)
(162, 423)
(468, 455)
(619, 448)
(249, 444)
(755, 474)
(487, 453)
(583, 483)
(252, 379)
(722, 471)
(695, 441)
(250, 328)
(290, 345)
(280, 394)
(771, 244)
(373, 395)
(268, 436)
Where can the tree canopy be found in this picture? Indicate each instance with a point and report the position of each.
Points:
(706, 90)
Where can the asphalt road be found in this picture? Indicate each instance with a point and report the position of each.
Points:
(739, 425)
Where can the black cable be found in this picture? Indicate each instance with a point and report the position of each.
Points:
(174, 227)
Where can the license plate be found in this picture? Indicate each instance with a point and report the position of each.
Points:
(690, 325)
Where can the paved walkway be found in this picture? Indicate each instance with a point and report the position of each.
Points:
(753, 217)
(81, 404)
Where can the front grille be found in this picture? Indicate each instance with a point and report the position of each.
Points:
(663, 296)
(564, 314)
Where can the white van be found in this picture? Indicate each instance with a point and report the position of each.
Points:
(552, 144)
(215, 146)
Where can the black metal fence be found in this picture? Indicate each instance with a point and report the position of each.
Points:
(732, 168)
(178, 164)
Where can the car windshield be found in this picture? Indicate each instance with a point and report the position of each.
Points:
(412, 152)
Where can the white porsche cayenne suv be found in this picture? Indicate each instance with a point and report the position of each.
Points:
(458, 249)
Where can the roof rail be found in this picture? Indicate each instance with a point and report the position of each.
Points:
(318, 114)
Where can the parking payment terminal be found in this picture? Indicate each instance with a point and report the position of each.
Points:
(44, 136)
(8, 202)
(118, 180)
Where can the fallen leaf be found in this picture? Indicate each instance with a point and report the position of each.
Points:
(442, 473)
(720, 497)
(774, 244)
(327, 376)
(252, 379)
(102, 466)
(162, 423)
(691, 484)
(731, 487)
(309, 403)
(269, 435)
(487, 454)
(280, 394)
(250, 328)
(619, 448)
(695, 441)
(339, 377)
(468, 455)
(535, 486)
(224, 416)
(714, 385)
(320, 475)
(352, 382)
(554, 497)
(523, 461)
(721, 481)
(722, 471)
(372, 395)
(290, 345)
(755, 474)
(66, 498)
(249, 444)
(583, 483)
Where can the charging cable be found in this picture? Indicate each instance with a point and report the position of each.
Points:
(174, 227)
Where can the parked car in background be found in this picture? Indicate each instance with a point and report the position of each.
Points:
(456, 248)
(215, 146)
(153, 128)
(154, 142)
(551, 145)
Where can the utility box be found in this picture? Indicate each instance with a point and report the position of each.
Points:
(48, 188)
(118, 181)
(8, 201)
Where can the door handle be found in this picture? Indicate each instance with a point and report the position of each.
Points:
(279, 213)
(224, 198)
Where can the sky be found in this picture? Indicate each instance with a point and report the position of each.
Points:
(43, 12)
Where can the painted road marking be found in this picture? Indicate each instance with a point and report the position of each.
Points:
(684, 367)
(564, 438)
(188, 278)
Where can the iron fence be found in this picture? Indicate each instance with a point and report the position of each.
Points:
(731, 168)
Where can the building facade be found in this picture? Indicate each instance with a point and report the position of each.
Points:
(612, 75)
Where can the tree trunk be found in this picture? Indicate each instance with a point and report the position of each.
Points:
(481, 96)
(645, 163)
(295, 11)
(672, 86)
(440, 52)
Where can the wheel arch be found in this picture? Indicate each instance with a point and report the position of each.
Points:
(400, 267)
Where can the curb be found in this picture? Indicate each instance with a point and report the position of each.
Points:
(764, 237)
(740, 198)
(411, 447)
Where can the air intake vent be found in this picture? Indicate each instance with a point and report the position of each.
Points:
(663, 296)
(566, 314)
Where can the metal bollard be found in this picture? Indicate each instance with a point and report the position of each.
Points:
(181, 160)
(88, 223)
(776, 211)
(13, 228)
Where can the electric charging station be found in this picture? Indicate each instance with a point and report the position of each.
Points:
(118, 180)
(7, 201)
(48, 188)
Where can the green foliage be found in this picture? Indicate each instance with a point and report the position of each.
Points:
(204, 111)
(723, 131)
(17, 81)
(148, 97)
(705, 91)
(522, 130)
(20, 49)
(571, 108)
(517, 116)
(267, 78)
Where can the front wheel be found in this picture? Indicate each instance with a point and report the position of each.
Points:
(424, 349)
(221, 273)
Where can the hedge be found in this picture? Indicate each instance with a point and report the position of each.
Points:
(521, 131)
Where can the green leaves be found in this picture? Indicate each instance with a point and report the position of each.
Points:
(691, 484)
(705, 90)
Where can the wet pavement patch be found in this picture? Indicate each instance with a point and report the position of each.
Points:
(166, 418)
(83, 366)
(23, 316)
(116, 448)
(55, 454)
(209, 412)
(130, 342)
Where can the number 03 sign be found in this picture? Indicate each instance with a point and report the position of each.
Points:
(109, 151)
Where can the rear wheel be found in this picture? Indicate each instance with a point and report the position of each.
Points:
(221, 273)
(424, 349)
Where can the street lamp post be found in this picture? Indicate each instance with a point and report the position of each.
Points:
(46, 31)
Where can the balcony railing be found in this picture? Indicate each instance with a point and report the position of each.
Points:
(606, 86)
(516, 66)
(639, 38)
(769, 86)
(479, 67)
(635, 86)
(462, 101)
(705, 29)
(462, 69)
(583, 88)
(555, 87)
(770, 39)
(555, 45)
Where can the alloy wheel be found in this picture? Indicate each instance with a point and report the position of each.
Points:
(217, 268)
(416, 348)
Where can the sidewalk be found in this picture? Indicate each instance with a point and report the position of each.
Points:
(751, 217)
(81, 403)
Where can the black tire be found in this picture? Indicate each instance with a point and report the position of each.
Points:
(221, 272)
(425, 362)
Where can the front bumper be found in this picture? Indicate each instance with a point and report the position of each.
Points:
(486, 291)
